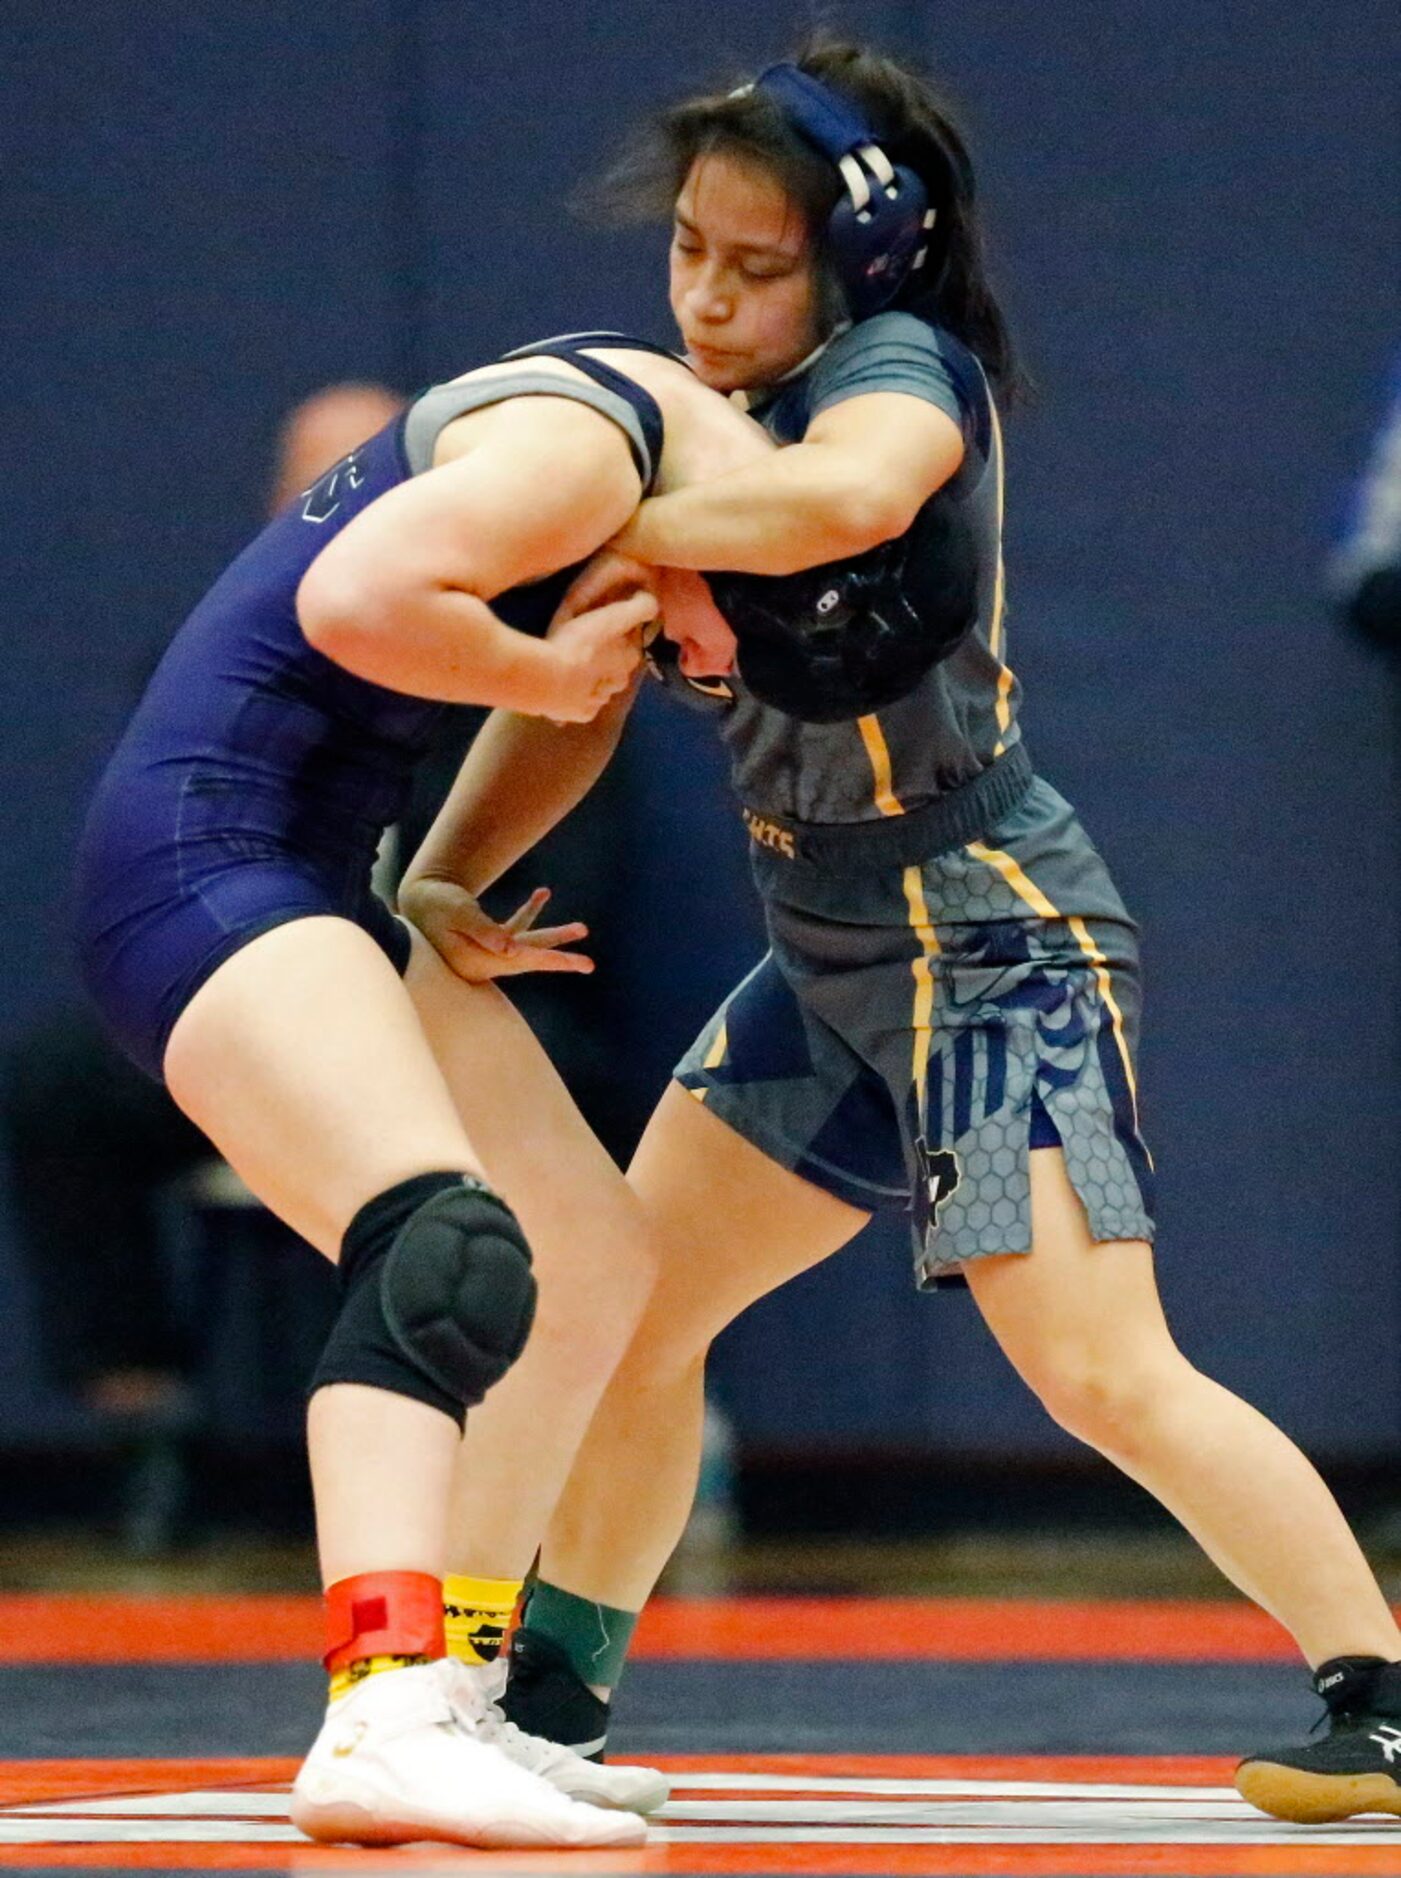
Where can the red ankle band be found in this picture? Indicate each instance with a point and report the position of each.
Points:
(383, 1614)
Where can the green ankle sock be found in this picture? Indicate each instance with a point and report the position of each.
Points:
(595, 1637)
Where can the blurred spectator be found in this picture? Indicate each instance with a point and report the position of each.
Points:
(321, 430)
(1366, 569)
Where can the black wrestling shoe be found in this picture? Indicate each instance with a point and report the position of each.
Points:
(1355, 1768)
(543, 1696)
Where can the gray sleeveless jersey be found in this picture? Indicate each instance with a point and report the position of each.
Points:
(963, 714)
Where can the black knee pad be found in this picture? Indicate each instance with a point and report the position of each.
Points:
(438, 1294)
(458, 1292)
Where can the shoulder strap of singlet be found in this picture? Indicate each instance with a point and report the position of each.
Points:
(430, 414)
(576, 347)
(565, 345)
(612, 393)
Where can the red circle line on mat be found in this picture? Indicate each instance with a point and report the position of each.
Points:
(67, 1628)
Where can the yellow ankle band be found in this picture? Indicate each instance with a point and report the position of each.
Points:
(345, 1678)
(477, 1614)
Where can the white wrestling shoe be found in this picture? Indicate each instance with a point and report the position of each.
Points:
(473, 1689)
(393, 1763)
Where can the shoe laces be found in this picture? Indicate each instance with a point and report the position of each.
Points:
(491, 1681)
(476, 1699)
(532, 1751)
(1341, 1719)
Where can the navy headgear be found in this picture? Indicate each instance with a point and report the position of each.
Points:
(876, 235)
(832, 643)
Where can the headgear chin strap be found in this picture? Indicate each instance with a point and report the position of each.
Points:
(878, 231)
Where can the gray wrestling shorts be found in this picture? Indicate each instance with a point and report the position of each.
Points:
(916, 1028)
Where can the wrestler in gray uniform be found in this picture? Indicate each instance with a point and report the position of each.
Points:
(952, 978)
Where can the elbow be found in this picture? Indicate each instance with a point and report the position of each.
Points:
(857, 518)
(877, 515)
(327, 603)
(341, 617)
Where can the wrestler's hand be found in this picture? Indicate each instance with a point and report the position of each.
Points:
(596, 655)
(479, 948)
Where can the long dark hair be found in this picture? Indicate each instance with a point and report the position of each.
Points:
(916, 127)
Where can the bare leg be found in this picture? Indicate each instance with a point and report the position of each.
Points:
(730, 1225)
(593, 1259)
(303, 1058)
(1083, 1326)
(304, 1062)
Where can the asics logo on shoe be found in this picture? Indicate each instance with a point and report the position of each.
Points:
(1388, 1740)
(349, 1742)
(1330, 1682)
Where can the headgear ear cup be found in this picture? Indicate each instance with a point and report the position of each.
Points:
(878, 231)
(832, 643)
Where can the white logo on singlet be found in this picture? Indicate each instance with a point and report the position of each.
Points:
(320, 502)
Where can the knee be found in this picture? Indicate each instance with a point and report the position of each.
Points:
(437, 1294)
(582, 1343)
(1110, 1399)
(591, 1308)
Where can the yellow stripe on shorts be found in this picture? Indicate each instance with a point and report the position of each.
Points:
(1026, 888)
(1084, 939)
(1016, 878)
(714, 1057)
(923, 928)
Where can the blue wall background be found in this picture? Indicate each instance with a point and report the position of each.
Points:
(1193, 207)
